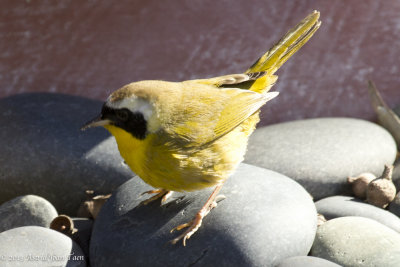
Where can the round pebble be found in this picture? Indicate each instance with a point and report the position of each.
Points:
(26, 210)
(38, 246)
(43, 151)
(341, 206)
(357, 241)
(321, 153)
(265, 218)
(306, 261)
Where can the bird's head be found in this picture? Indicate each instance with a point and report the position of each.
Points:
(126, 110)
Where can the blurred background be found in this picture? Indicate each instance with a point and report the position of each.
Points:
(91, 48)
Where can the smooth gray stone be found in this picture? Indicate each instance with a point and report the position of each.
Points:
(341, 206)
(26, 210)
(265, 218)
(43, 151)
(82, 236)
(306, 261)
(321, 153)
(397, 110)
(396, 174)
(357, 241)
(394, 206)
(38, 246)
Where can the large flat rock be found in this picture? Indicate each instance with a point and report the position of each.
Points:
(321, 153)
(43, 151)
(265, 218)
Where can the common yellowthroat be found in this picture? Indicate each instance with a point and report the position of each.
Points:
(185, 136)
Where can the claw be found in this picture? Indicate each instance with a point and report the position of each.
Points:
(219, 198)
(166, 196)
(180, 227)
(195, 224)
(155, 191)
(160, 193)
(192, 228)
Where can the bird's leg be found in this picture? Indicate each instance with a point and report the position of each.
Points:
(194, 224)
(160, 193)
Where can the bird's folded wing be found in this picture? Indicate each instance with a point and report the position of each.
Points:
(211, 112)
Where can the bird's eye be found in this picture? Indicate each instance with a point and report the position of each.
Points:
(122, 114)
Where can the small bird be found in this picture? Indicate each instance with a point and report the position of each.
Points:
(190, 135)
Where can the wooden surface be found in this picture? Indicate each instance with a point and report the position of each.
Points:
(91, 48)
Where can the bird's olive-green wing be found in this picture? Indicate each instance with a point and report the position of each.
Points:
(207, 113)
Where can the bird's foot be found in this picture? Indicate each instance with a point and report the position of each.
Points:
(193, 225)
(159, 193)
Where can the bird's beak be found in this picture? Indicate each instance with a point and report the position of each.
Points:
(98, 121)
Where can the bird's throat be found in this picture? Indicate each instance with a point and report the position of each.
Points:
(132, 149)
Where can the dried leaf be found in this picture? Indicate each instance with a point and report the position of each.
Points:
(386, 117)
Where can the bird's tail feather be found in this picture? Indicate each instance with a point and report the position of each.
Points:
(272, 60)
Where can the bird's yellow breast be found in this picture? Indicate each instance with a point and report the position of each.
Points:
(131, 149)
(175, 169)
